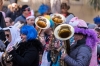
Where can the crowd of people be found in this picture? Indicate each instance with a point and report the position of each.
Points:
(34, 44)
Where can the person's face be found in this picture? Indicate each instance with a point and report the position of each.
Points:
(8, 36)
(49, 31)
(64, 11)
(23, 37)
(30, 21)
(7, 21)
(98, 33)
(57, 44)
(77, 37)
(27, 11)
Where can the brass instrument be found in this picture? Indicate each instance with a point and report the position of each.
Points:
(42, 23)
(64, 32)
(19, 24)
(57, 19)
(6, 57)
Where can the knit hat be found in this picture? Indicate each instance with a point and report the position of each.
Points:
(91, 36)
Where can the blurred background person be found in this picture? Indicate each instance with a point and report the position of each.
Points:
(8, 21)
(25, 13)
(30, 20)
(64, 12)
(14, 10)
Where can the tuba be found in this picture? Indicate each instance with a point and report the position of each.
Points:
(64, 32)
(42, 23)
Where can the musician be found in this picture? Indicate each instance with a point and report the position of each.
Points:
(46, 36)
(46, 39)
(27, 53)
(81, 50)
(44, 10)
(11, 35)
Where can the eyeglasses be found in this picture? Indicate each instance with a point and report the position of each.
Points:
(7, 35)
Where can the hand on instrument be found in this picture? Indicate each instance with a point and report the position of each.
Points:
(63, 56)
(47, 47)
(10, 49)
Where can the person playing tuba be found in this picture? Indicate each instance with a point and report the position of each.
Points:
(85, 40)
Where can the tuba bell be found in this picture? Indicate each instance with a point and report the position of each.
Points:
(64, 32)
(42, 22)
(58, 18)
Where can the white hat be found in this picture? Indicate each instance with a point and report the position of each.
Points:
(30, 17)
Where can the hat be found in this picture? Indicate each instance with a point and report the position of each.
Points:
(30, 17)
(91, 36)
(80, 27)
(96, 20)
(78, 22)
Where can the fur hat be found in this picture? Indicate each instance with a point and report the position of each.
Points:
(81, 27)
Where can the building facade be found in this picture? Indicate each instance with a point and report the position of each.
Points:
(79, 8)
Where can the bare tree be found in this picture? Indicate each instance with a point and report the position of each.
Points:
(95, 4)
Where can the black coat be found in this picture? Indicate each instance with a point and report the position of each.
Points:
(13, 15)
(27, 54)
